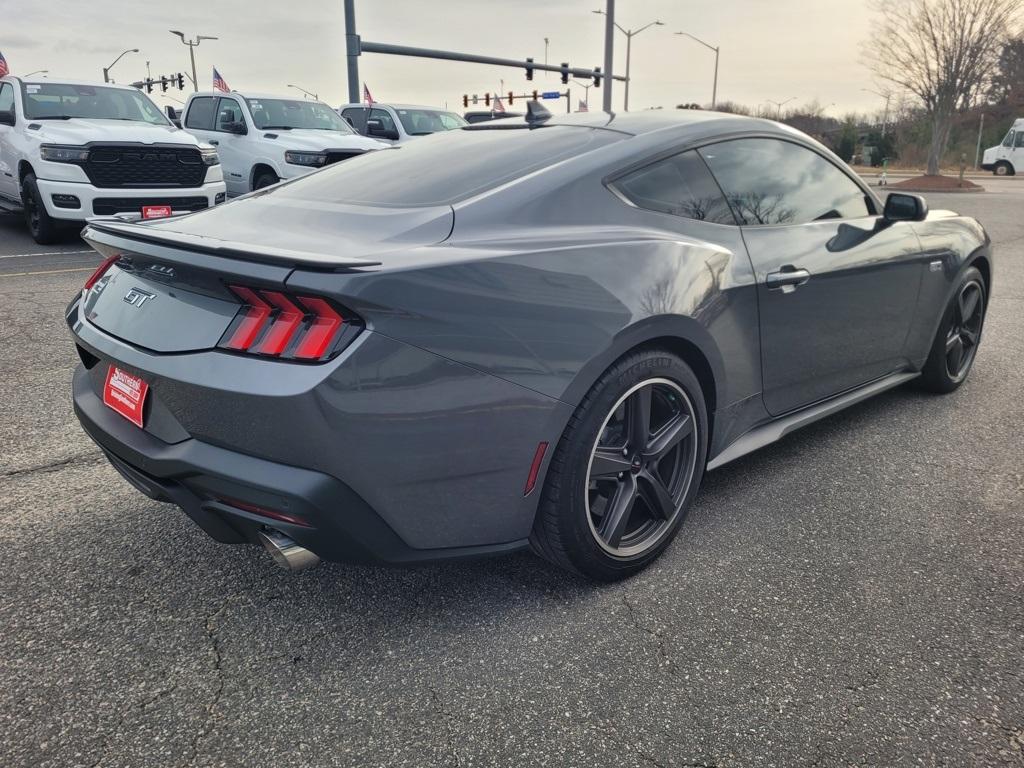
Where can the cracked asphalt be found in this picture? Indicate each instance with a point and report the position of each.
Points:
(853, 595)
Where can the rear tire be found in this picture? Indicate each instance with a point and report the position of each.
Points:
(620, 484)
(264, 179)
(956, 342)
(44, 229)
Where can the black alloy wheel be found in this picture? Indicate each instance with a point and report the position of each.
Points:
(965, 329)
(641, 467)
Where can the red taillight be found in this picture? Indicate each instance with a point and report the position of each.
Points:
(255, 509)
(106, 264)
(274, 324)
(326, 323)
(256, 311)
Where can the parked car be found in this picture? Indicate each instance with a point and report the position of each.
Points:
(485, 115)
(399, 123)
(499, 338)
(265, 139)
(70, 150)
(1008, 157)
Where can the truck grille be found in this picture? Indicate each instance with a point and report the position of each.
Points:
(336, 156)
(108, 206)
(112, 167)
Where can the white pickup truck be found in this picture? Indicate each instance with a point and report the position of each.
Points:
(264, 139)
(71, 150)
(1007, 159)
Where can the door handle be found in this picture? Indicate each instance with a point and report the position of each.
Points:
(786, 279)
(214, 142)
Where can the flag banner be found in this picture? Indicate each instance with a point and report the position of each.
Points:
(3, 65)
(219, 84)
(366, 95)
(498, 106)
(582, 107)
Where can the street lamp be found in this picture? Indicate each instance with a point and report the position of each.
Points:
(779, 105)
(297, 88)
(630, 34)
(586, 85)
(192, 52)
(37, 72)
(714, 88)
(885, 115)
(106, 70)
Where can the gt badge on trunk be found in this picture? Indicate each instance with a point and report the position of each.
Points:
(125, 393)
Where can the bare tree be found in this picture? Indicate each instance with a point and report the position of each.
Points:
(942, 51)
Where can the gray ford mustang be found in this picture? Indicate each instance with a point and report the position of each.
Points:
(535, 334)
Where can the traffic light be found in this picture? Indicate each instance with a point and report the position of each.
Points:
(597, 77)
(465, 100)
(534, 95)
(163, 83)
(487, 99)
(510, 97)
(181, 82)
(149, 85)
(529, 69)
(565, 73)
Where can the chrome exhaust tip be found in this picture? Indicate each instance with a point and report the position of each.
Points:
(286, 552)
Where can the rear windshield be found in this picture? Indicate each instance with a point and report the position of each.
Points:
(446, 167)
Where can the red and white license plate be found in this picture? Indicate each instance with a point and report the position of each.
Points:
(125, 393)
(156, 211)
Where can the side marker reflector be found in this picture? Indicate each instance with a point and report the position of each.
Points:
(538, 459)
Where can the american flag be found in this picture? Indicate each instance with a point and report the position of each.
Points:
(3, 66)
(366, 95)
(583, 106)
(498, 106)
(219, 83)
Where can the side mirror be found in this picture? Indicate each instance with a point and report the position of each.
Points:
(7, 117)
(903, 207)
(376, 129)
(238, 129)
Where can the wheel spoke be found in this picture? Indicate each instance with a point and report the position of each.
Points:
(969, 337)
(952, 342)
(968, 303)
(678, 428)
(656, 495)
(608, 463)
(620, 505)
(639, 418)
(955, 355)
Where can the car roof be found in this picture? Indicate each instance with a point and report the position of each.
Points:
(398, 106)
(682, 121)
(251, 95)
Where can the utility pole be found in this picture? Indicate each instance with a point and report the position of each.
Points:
(192, 52)
(981, 129)
(630, 34)
(609, 58)
(779, 105)
(887, 95)
(352, 51)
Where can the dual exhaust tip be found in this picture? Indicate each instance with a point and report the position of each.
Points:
(286, 552)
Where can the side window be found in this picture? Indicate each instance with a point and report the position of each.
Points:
(770, 181)
(229, 112)
(357, 117)
(680, 185)
(6, 97)
(387, 122)
(1020, 140)
(200, 114)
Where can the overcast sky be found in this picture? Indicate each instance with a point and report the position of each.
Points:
(776, 50)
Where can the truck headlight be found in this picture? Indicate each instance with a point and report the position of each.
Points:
(58, 154)
(315, 159)
(209, 156)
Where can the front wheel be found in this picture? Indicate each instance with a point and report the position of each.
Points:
(1003, 169)
(264, 179)
(44, 229)
(956, 342)
(626, 469)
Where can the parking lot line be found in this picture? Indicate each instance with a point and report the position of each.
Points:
(46, 253)
(48, 272)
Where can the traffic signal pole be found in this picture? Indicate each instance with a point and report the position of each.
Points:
(609, 58)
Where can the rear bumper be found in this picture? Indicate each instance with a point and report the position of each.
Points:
(96, 201)
(198, 477)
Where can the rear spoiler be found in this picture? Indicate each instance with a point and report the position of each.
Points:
(232, 249)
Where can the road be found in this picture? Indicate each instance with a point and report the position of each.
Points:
(853, 595)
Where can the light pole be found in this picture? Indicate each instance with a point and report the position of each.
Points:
(297, 88)
(630, 34)
(714, 88)
(192, 52)
(106, 70)
(887, 95)
(37, 72)
(779, 105)
(586, 85)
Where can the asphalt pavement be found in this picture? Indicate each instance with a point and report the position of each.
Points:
(853, 595)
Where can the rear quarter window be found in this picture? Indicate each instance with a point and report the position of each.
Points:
(446, 167)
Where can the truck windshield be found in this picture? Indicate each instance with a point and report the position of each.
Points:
(421, 122)
(282, 114)
(63, 101)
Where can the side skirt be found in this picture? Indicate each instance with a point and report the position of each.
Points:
(775, 430)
